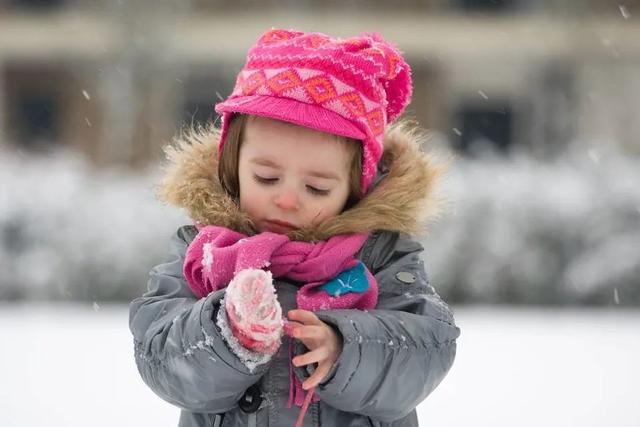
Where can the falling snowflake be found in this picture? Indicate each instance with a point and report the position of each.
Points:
(624, 11)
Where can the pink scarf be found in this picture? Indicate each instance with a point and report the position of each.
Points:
(217, 254)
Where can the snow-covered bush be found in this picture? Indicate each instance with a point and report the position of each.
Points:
(517, 229)
(68, 231)
(514, 230)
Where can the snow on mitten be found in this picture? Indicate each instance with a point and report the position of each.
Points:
(253, 311)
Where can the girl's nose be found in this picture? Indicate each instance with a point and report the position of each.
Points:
(287, 200)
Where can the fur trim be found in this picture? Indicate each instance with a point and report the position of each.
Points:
(191, 182)
(403, 201)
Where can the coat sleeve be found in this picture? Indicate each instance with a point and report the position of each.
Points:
(179, 350)
(395, 355)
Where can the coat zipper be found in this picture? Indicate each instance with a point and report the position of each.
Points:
(253, 419)
(217, 420)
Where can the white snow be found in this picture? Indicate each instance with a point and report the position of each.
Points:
(526, 229)
(251, 359)
(207, 257)
(68, 231)
(68, 366)
(541, 367)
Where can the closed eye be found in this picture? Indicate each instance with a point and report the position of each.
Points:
(317, 191)
(262, 180)
(271, 181)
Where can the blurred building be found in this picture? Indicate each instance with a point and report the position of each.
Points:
(116, 79)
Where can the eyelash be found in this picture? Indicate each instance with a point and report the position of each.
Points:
(272, 181)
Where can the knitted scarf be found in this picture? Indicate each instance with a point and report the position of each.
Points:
(332, 278)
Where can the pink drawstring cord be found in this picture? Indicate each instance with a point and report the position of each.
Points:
(293, 395)
(305, 406)
(291, 374)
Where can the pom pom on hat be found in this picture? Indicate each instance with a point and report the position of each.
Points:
(350, 87)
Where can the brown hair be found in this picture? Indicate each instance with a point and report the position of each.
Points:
(228, 165)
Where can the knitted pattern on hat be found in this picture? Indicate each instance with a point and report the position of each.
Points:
(349, 87)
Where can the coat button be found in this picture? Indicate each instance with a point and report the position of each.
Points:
(251, 400)
(405, 277)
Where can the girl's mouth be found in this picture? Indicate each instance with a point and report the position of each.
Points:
(277, 226)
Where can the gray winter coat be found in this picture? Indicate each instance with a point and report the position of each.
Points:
(392, 356)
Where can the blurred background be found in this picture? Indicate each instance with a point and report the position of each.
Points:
(537, 250)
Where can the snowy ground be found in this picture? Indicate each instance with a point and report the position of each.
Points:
(73, 366)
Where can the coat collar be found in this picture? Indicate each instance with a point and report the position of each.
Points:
(401, 199)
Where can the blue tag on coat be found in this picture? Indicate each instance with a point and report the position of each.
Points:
(352, 280)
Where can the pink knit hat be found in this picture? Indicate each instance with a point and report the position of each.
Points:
(352, 87)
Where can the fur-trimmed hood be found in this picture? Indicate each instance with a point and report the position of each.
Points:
(401, 199)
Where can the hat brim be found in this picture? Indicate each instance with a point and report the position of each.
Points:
(292, 111)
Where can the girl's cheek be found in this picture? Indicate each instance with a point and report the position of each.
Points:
(318, 217)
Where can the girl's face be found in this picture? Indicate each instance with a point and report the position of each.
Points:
(291, 176)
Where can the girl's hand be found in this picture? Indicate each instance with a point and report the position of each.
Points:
(324, 344)
(254, 313)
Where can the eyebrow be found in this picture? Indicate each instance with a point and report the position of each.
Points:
(319, 174)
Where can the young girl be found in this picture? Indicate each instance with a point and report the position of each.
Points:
(297, 297)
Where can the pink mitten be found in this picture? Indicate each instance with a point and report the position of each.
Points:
(255, 315)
